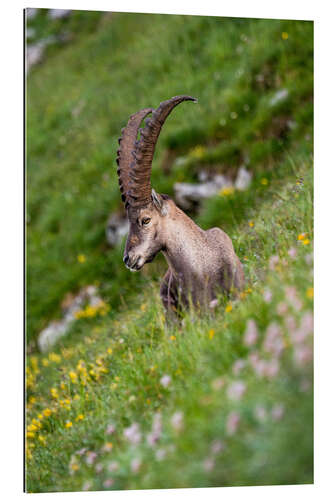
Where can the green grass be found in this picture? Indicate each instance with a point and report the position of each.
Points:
(78, 100)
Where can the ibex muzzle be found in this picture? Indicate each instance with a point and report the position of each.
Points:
(201, 263)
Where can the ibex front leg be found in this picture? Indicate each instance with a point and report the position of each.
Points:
(169, 293)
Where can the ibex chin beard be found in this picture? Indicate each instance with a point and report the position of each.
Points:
(201, 263)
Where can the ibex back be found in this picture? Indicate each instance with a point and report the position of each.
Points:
(201, 263)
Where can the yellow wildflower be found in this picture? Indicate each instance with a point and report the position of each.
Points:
(306, 241)
(79, 417)
(211, 333)
(68, 424)
(32, 428)
(47, 412)
(36, 422)
(90, 311)
(54, 392)
(109, 350)
(228, 308)
(227, 191)
(32, 400)
(42, 439)
(143, 307)
(30, 434)
(76, 397)
(74, 466)
(251, 223)
(108, 446)
(284, 35)
(172, 337)
(45, 362)
(54, 357)
(34, 362)
(264, 181)
(197, 152)
(81, 258)
(73, 377)
(301, 236)
(309, 293)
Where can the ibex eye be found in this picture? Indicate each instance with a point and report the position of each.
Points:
(146, 221)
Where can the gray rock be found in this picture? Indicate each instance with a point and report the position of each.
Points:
(58, 13)
(187, 195)
(31, 13)
(116, 228)
(35, 52)
(279, 96)
(243, 179)
(57, 329)
(30, 33)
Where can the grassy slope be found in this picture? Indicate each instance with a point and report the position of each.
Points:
(77, 102)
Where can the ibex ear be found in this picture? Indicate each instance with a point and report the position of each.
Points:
(158, 202)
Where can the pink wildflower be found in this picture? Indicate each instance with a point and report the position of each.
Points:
(307, 323)
(268, 296)
(258, 365)
(232, 423)
(305, 385)
(273, 261)
(238, 366)
(98, 468)
(303, 355)
(213, 303)
(292, 296)
(113, 466)
(177, 421)
(108, 483)
(208, 464)
(133, 434)
(86, 486)
(236, 390)
(218, 383)
(160, 454)
(110, 429)
(292, 252)
(273, 340)
(165, 380)
(260, 413)
(281, 308)
(290, 323)
(272, 368)
(309, 259)
(81, 451)
(91, 457)
(277, 411)
(251, 333)
(217, 446)
(135, 465)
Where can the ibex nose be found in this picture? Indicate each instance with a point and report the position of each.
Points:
(125, 259)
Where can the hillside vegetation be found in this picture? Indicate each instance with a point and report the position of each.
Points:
(127, 400)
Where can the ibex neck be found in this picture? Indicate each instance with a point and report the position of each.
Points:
(184, 242)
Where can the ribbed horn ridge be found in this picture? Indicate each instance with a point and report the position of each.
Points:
(127, 143)
(138, 178)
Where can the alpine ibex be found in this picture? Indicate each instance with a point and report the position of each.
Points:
(201, 263)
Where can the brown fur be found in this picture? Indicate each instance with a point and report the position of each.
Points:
(201, 263)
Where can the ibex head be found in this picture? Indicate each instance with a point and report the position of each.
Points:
(146, 209)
